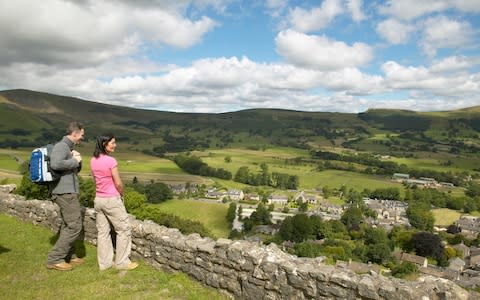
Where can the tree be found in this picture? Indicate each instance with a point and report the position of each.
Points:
(228, 159)
(352, 216)
(374, 236)
(470, 205)
(232, 208)
(420, 216)
(427, 244)
(158, 192)
(265, 176)
(303, 207)
(286, 229)
(242, 175)
(473, 190)
(327, 192)
(302, 228)
(401, 238)
(378, 253)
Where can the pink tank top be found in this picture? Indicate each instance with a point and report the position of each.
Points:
(101, 168)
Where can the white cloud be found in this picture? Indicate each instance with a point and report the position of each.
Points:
(276, 7)
(220, 84)
(89, 33)
(411, 9)
(468, 6)
(430, 80)
(442, 32)
(320, 52)
(355, 8)
(395, 32)
(454, 63)
(315, 19)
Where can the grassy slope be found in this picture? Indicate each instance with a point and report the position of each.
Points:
(212, 215)
(445, 216)
(23, 249)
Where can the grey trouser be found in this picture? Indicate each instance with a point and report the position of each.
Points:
(70, 230)
(111, 210)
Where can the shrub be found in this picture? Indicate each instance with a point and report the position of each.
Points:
(133, 199)
(404, 269)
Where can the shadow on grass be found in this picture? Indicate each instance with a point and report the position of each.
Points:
(80, 249)
(3, 249)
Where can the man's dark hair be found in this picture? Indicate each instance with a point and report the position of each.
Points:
(74, 126)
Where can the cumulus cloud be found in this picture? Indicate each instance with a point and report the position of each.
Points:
(442, 32)
(431, 80)
(276, 7)
(395, 32)
(99, 50)
(454, 63)
(320, 52)
(355, 8)
(411, 9)
(91, 32)
(466, 5)
(304, 20)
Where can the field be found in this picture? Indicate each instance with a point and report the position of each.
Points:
(309, 177)
(146, 168)
(212, 215)
(445, 216)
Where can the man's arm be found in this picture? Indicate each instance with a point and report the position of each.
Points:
(61, 160)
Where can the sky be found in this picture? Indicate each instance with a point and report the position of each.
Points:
(228, 55)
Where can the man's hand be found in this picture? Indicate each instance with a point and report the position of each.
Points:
(77, 155)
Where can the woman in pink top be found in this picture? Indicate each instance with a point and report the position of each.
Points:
(110, 208)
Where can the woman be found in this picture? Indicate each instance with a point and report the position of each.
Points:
(110, 208)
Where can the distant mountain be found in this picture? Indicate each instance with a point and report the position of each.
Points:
(32, 118)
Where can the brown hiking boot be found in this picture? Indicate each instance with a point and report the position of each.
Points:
(63, 266)
(76, 261)
(132, 265)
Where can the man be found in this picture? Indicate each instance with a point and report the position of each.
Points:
(67, 162)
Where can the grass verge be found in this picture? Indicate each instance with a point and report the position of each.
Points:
(23, 275)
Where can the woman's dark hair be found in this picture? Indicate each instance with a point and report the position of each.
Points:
(102, 141)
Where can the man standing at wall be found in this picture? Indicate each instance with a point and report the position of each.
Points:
(67, 162)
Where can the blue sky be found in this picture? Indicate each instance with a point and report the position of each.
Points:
(219, 56)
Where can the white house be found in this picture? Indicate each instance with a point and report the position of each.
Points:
(277, 199)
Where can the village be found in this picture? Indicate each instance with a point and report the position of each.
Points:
(464, 270)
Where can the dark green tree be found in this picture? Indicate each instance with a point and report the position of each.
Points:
(427, 244)
(158, 192)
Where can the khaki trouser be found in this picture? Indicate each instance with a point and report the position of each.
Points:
(70, 229)
(111, 210)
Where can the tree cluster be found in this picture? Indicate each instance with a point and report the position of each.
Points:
(264, 177)
(194, 165)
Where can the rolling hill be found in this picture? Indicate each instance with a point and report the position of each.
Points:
(32, 118)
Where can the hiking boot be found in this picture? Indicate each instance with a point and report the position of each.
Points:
(132, 265)
(76, 261)
(63, 266)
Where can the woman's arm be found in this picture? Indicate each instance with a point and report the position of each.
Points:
(117, 181)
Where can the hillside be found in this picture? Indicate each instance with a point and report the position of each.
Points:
(30, 118)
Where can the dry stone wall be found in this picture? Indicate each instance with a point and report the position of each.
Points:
(242, 269)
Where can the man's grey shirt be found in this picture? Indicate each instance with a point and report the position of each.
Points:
(62, 161)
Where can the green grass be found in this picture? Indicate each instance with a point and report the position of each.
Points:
(335, 179)
(23, 250)
(211, 215)
(445, 216)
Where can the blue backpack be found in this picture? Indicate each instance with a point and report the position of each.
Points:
(40, 170)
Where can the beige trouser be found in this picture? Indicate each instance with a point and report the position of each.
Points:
(111, 210)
